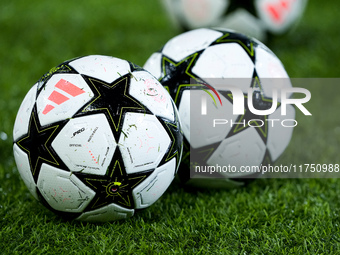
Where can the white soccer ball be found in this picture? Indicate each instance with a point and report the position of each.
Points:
(255, 18)
(207, 63)
(96, 138)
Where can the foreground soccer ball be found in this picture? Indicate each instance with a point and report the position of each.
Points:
(190, 66)
(96, 138)
(254, 17)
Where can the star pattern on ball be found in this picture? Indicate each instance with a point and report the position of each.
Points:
(201, 155)
(115, 187)
(182, 73)
(177, 140)
(248, 119)
(245, 5)
(113, 100)
(135, 67)
(176, 77)
(242, 40)
(37, 143)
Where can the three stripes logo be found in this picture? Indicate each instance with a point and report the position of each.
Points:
(63, 91)
(278, 10)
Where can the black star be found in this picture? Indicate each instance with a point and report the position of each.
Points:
(115, 187)
(260, 102)
(176, 75)
(248, 5)
(113, 100)
(176, 136)
(244, 41)
(37, 144)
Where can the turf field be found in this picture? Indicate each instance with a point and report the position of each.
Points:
(270, 216)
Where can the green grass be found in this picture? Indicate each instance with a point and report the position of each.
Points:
(270, 216)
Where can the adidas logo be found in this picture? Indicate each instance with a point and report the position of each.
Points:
(277, 10)
(70, 90)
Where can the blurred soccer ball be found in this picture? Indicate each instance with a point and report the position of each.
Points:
(189, 65)
(255, 18)
(96, 138)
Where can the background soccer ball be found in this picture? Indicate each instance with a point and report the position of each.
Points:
(96, 138)
(252, 17)
(186, 62)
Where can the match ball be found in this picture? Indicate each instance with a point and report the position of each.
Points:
(96, 138)
(256, 18)
(206, 63)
